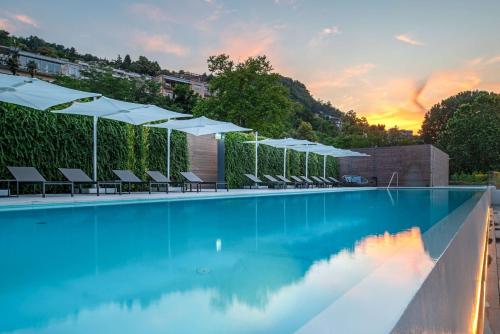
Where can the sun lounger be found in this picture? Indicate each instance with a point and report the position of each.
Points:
(193, 179)
(255, 180)
(289, 182)
(334, 180)
(127, 177)
(319, 181)
(30, 175)
(271, 181)
(158, 179)
(308, 180)
(328, 182)
(354, 181)
(79, 178)
(299, 181)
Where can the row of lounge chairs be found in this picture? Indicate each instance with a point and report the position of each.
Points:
(76, 178)
(298, 182)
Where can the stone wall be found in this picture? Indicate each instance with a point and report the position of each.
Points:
(416, 165)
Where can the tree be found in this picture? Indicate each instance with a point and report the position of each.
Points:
(185, 98)
(248, 94)
(437, 117)
(13, 61)
(5, 39)
(471, 135)
(126, 62)
(305, 131)
(32, 67)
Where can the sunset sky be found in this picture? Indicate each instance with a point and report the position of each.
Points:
(387, 60)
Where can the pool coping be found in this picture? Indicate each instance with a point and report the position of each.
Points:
(31, 202)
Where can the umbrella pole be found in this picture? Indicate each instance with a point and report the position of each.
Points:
(307, 162)
(95, 149)
(256, 153)
(169, 132)
(284, 162)
(324, 166)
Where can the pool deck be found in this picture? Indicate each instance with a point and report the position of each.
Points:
(56, 200)
(492, 309)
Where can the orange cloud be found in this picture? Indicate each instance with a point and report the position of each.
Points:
(407, 39)
(26, 20)
(247, 42)
(342, 79)
(161, 44)
(4, 24)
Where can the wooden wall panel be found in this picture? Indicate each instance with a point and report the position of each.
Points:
(203, 156)
(417, 165)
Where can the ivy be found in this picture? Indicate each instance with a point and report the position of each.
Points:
(48, 141)
(240, 160)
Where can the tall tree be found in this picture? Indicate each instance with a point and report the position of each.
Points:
(32, 67)
(248, 94)
(127, 61)
(437, 117)
(305, 131)
(472, 135)
(13, 61)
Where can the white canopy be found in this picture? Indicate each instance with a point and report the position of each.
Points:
(35, 93)
(281, 143)
(196, 126)
(188, 123)
(128, 112)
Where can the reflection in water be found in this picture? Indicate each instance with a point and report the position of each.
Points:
(153, 268)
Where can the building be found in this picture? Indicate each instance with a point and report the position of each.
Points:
(195, 81)
(47, 67)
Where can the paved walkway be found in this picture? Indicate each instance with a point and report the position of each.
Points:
(31, 201)
(492, 310)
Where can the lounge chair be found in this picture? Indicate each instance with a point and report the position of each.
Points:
(193, 179)
(79, 178)
(334, 180)
(127, 177)
(289, 182)
(302, 183)
(271, 181)
(319, 182)
(30, 175)
(308, 180)
(158, 179)
(255, 180)
(328, 182)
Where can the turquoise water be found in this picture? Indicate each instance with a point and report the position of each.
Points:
(242, 265)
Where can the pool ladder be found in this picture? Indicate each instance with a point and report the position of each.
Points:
(392, 178)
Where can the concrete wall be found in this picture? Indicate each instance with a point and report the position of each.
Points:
(449, 299)
(203, 156)
(417, 165)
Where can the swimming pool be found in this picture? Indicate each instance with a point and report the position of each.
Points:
(229, 265)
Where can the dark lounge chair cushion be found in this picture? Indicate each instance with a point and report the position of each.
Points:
(26, 174)
(157, 176)
(192, 177)
(127, 176)
(253, 178)
(76, 175)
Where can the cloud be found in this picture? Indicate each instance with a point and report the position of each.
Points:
(150, 12)
(342, 79)
(26, 20)
(493, 60)
(322, 36)
(246, 40)
(407, 39)
(161, 44)
(5, 24)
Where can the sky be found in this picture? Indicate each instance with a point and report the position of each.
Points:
(387, 60)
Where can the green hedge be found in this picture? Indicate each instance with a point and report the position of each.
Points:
(240, 159)
(48, 141)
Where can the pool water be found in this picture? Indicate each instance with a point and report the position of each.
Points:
(268, 264)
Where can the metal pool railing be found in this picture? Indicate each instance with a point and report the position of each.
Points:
(392, 177)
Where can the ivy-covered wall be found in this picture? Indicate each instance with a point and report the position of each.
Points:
(240, 159)
(48, 141)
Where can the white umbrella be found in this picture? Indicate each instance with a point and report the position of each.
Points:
(325, 151)
(284, 144)
(37, 94)
(128, 112)
(198, 127)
